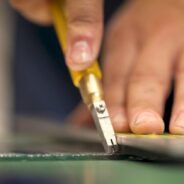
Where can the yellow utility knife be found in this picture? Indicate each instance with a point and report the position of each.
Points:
(89, 83)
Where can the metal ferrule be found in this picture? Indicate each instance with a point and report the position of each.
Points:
(91, 89)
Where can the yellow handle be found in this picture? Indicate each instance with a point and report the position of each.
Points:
(60, 25)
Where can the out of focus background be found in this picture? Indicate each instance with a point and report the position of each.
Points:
(6, 51)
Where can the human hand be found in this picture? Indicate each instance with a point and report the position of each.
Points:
(80, 117)
(144, 52)
(84, 23)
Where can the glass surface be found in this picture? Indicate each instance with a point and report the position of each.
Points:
(38, 151)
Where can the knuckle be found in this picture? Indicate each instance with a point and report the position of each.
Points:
(85, 15)
(151, 78)
(82, 18)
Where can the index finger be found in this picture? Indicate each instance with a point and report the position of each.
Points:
(85, 28)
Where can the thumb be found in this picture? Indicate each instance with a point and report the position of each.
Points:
(85, 27)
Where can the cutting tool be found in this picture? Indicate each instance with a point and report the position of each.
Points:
(89, 83)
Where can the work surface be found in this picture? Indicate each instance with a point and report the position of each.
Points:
(38, 158)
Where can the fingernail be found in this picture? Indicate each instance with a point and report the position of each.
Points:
(145, 117)
(180, 120)
(81, 52)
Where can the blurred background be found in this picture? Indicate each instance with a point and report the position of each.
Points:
(6, 53)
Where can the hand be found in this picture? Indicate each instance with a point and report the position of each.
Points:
(144, 52)
(85, 27)
(80, 117)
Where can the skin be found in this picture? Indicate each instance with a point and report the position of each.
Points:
(143, 54)
(84, 23)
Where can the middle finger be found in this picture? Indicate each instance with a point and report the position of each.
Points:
(148, 86)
